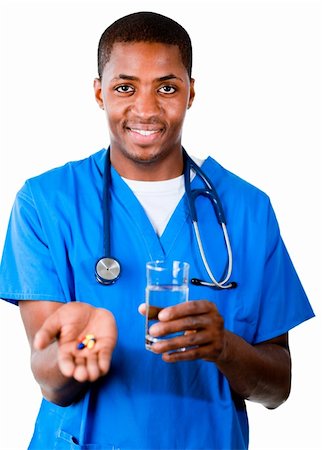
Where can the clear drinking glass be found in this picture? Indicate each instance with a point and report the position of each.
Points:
(167, 285)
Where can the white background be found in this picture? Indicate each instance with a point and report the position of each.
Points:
(257, 111)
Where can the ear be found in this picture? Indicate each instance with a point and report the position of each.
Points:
(192, 92)
(98, 92)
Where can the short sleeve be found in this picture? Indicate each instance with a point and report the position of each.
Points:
(283, 303)
(27, 270)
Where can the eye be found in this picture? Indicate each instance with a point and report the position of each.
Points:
(167, 89)
(124, 89)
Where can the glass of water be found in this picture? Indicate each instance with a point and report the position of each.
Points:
(167, 285)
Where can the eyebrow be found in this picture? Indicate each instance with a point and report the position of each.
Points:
(171, 76)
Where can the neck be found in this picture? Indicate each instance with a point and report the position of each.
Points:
(159, 167)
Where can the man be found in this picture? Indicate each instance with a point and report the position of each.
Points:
(113, 393)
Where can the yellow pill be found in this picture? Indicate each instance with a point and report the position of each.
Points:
(89, 337)
(91, 343)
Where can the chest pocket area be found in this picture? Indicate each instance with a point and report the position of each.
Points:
(66, 441)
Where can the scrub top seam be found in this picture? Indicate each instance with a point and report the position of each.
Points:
(26, 296)
(286, 329)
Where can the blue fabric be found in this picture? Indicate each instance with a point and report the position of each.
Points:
(54, 239)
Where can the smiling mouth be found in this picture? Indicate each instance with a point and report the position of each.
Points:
(144, 132)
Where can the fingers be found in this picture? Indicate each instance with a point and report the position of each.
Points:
(84, 365)
(66, 363)
(104, 361)
(81, 368)
(188, 354)
(189, 347)
(201, 329)
(87, 369)
(88, 364)
(212, 321)
(190, 308)
(173, 312)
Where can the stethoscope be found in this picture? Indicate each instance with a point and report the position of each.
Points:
(108, 268)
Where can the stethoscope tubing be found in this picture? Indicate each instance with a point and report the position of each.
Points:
(209, 192)
(108, 269)
(106, 204)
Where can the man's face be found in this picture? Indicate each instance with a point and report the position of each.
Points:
(145, 91)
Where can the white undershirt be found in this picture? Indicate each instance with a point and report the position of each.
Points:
(159, 198)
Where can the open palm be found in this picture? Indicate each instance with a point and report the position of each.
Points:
(68, 325)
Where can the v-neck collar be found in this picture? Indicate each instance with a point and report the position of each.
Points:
(136, 215)
(157, 247)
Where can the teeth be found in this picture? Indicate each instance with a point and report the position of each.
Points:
(144, 132)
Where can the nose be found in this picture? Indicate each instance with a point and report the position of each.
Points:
(146, 105)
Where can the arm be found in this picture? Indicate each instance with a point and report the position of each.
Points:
(53, 329)
(260, 373)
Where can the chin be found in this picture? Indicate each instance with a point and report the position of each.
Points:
(144, 156)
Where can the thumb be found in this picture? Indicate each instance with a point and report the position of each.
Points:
(48, 332)
(152, 311)
(142, 309)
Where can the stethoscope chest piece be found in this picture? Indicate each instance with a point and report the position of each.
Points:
(107, 270)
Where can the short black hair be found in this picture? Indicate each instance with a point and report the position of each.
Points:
(145, 27)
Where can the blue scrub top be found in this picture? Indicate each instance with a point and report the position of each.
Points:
(54, 239)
